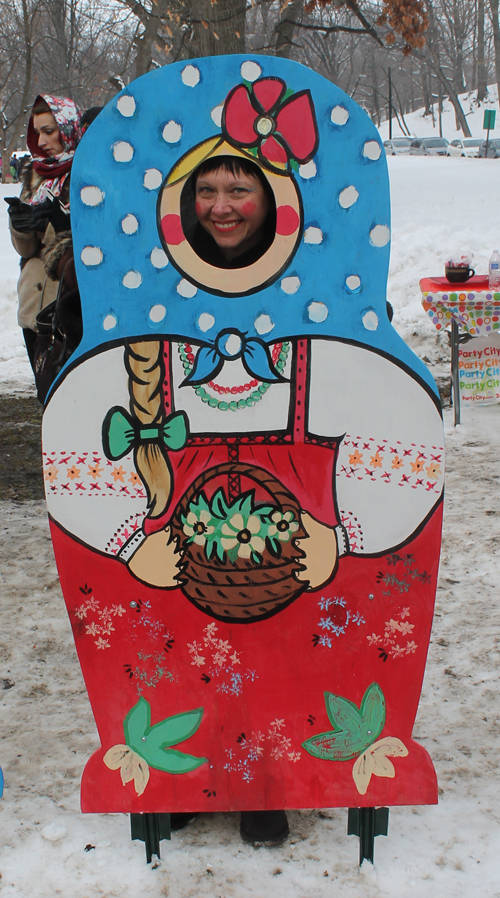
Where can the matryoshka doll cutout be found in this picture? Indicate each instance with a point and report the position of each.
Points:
(244, 464)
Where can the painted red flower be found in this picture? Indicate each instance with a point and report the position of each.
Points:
(280, 129)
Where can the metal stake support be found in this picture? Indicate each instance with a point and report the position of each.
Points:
(367, 823)
(150, 829)
(455, 374)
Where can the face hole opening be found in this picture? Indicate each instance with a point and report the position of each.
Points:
(211, 262)
(228, 212)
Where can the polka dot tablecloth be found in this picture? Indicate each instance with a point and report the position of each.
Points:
(475, 307)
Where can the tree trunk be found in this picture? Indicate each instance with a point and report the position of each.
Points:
(440, 107)
(375, 98)
(482, 85)
(144, 45)
(496, 41)
(425, 90)
(450, 90)
(218, 28)
(28, 22)
(286, 28)
(458, 57)
(5, 163)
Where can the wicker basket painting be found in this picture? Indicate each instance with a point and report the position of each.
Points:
(239, 560)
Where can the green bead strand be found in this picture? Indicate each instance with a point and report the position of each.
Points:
(235, 404)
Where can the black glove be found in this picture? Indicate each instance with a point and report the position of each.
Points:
(26, 218)
(51, 211)
(41, 215)
(21, 215)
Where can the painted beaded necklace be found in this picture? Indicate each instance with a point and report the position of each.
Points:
(259, 390)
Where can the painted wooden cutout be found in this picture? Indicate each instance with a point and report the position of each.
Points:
(244, 466)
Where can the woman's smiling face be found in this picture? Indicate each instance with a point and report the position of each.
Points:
(232, 208)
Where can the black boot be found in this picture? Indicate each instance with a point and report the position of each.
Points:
(264, 827)
(180, 820)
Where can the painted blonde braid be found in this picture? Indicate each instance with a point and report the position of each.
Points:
(144, 365)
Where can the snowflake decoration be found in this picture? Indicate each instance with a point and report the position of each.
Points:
(336, 621)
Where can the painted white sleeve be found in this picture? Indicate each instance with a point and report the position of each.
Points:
(101, 503)
(390, 464)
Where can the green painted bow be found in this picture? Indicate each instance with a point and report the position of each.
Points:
(120, 433)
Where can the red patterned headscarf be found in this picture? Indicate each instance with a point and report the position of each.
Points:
(55, 168)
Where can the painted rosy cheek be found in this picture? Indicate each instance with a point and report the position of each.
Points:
(172, 229)
(287, 221)
(200, 207)
(247, 208)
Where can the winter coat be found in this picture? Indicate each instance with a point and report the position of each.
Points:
(36, 287)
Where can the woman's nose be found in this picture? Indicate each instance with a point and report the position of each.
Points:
(222, 205)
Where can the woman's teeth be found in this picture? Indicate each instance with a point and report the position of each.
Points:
(225, 226)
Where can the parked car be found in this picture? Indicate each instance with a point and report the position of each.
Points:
(465, 146)
(397, 146)
(493, 148)
(429, 146)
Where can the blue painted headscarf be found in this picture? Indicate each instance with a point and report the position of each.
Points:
(333, 285)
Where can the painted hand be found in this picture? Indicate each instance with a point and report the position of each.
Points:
(156, 560)
(320, 547)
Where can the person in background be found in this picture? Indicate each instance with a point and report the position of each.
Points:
(13, 168)
(88, 117)
(39, 218)
(59, 266)
(22, 162)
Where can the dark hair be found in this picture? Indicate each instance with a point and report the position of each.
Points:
(41, 107)
(235, 165)
(88, 117)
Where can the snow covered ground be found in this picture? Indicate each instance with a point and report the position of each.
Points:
(440, 206)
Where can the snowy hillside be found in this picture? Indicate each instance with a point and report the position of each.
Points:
(421, 125)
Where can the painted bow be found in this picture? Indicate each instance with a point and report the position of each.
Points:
(120, 433)
(281, 127)
(231, 345)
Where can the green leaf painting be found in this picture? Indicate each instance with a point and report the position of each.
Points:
(354, 729)
(137, 722)
(154, 744)
(174, 761)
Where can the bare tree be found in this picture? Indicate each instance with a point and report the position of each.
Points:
(482, 83)
(88, 49)
(82, 39)
(496, 41)
(434, 57)
(18, 27)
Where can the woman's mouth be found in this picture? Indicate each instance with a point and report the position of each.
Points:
(225, 226)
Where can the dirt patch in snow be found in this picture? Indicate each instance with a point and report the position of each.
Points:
(21, 476)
